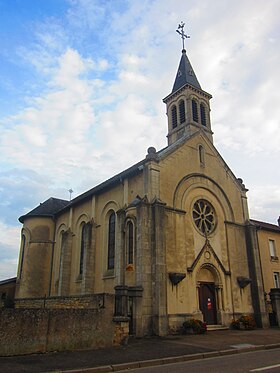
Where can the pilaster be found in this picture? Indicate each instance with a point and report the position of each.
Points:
(255, 271)
(152, 175)
(159, 279)
(90, 247)
(120, 248)
(144, 267)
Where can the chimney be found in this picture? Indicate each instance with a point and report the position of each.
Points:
(279, 221)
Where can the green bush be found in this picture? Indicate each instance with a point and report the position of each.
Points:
(197, 326)
(243, 322)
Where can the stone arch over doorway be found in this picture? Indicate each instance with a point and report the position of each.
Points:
(209, 293)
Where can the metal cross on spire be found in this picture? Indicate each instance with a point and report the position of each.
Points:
(182, 33)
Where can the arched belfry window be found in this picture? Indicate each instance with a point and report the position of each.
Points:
(182, 113)
(174, 116)
(130, 242)
(203, 115)
(23, 244)
(194, 111)
(111, 241)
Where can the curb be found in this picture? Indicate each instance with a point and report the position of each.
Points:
(167, 360)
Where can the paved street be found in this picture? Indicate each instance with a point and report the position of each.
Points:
(257, 361)
(147, 352)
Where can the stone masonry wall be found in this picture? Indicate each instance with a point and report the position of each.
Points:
(39, 330)
(84, 301)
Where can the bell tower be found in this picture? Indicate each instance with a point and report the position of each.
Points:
(188, 107)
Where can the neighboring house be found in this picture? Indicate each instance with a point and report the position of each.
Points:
(268, 240)
(269, 247)
(170, 236)
(7, 292)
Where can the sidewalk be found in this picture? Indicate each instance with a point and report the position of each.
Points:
(145, 352)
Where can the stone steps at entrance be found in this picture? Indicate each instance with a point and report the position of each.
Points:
(215, 327)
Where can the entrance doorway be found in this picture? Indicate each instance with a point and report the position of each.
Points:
(207, 302)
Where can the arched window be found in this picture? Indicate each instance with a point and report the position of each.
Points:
(111, 241)
(201, 155)
(182, 113)
(82, 249)
(174, 116)
(23, 243)
(194, 111)
(203, 114)
(130, 243)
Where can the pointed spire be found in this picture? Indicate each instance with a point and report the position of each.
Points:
(185, 74)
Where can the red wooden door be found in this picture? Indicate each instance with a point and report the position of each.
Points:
(207, 302)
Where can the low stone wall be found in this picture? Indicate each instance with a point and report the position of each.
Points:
(95, 301)
(39, 330)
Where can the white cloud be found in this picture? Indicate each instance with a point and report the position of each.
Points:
(102, 71)
(54, 130)
(9, 235)
(264, 203)
(8, 268)
(9, 248)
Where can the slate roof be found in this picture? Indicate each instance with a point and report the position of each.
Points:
(133, 170)
(46, 209)
(266, 226)
(54, 206)
(185, 74)
(8, 281)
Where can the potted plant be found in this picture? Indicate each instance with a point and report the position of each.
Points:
(194, 326)
(244, 322)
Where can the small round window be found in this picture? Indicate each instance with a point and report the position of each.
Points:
(204, 216)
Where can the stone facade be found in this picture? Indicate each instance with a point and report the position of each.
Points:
(170, 237)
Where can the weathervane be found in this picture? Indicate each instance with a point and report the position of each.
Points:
(182, 33)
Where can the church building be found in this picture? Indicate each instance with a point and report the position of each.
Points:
(170, 236)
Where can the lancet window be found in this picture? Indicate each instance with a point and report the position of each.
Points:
(111, 241)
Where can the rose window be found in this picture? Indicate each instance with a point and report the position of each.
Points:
(204, 216)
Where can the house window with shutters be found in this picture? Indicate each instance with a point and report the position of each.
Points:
(272, 250)
(276, 276)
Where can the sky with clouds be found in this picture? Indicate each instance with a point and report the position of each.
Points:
(81, 88)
